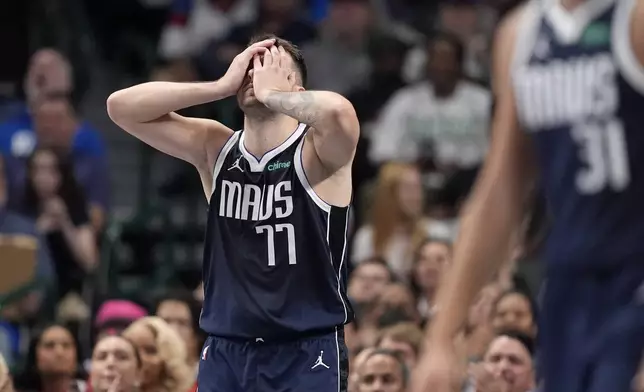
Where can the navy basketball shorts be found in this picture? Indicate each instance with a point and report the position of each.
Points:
(592, 330)
(311, 364)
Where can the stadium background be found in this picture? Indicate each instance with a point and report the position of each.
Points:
(126, 233)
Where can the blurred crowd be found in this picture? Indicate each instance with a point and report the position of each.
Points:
(416, 72)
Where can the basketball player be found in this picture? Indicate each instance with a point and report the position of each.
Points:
(569, 85)
(279, 192)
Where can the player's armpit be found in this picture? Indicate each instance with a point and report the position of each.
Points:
(334, 121)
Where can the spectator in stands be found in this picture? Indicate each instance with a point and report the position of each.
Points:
(53, 197)
(507, 365)
(396, 224)
(114, 316)
(21, 230)
(404, 339)
(382, 371)
(386, 53)
(443, 120)
(52, 363)
(515, 310)
(430, 261)
(395, 305)
(181, 311)
(368, 280)
(116, 365)
(51, 120)
(338, 61)
(163, 355)
(13, 224)
(192, 25)
(356, 364)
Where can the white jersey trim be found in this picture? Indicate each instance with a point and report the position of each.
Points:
(337, 353)
(630, 67)
(301, 175)
(257, 165)
(345, 239)
(568, 25)
(222, 157)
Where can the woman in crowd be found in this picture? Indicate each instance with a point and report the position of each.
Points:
(404, 339)
(56, 201)
(515, 310)
(163, 356)
(396, 223)
(52, 363)
(116, 365)
(181, 311)
(430, 261)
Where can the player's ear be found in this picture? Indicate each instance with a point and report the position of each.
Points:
(299, 88)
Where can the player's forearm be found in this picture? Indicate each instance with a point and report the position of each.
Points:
(487, 225)
(308, 107)
(149, 101)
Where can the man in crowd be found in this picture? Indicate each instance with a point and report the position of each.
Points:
(50, 118)
(382, 371)
(507, 365)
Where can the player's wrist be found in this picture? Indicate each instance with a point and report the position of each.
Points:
(222, 88)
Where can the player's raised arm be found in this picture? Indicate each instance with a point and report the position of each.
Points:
(334, 121)
(147, 111)
(491, 215)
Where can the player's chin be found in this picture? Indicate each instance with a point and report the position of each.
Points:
(248, 101)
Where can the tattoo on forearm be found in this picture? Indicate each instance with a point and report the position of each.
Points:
(301, 105)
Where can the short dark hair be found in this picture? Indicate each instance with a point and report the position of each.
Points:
(290, 48)
(534, 308)
(396, 357)
(453, 40)
(524, 339)
(185, 297)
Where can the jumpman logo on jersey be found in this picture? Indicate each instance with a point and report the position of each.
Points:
(320, 362)
(236, 165)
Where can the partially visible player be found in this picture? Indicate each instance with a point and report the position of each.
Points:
(569, 86)
(279, 190)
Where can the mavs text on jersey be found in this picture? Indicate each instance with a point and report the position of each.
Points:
(274, 268)
(579, 94)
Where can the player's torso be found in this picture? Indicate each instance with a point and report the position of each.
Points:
(578, 94)
(274, 259)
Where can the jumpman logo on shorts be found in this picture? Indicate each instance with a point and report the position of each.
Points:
(236, 165)
(320, 362)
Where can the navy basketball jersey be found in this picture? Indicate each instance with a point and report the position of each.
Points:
(579, 94)
(275, 253)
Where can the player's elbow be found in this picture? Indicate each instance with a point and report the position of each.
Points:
(117, 106)
(343, 118)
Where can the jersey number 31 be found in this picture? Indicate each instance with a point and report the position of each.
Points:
(604, 156)
(270, 238)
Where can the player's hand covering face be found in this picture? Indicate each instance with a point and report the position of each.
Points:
(234, 77)
(272, 73)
